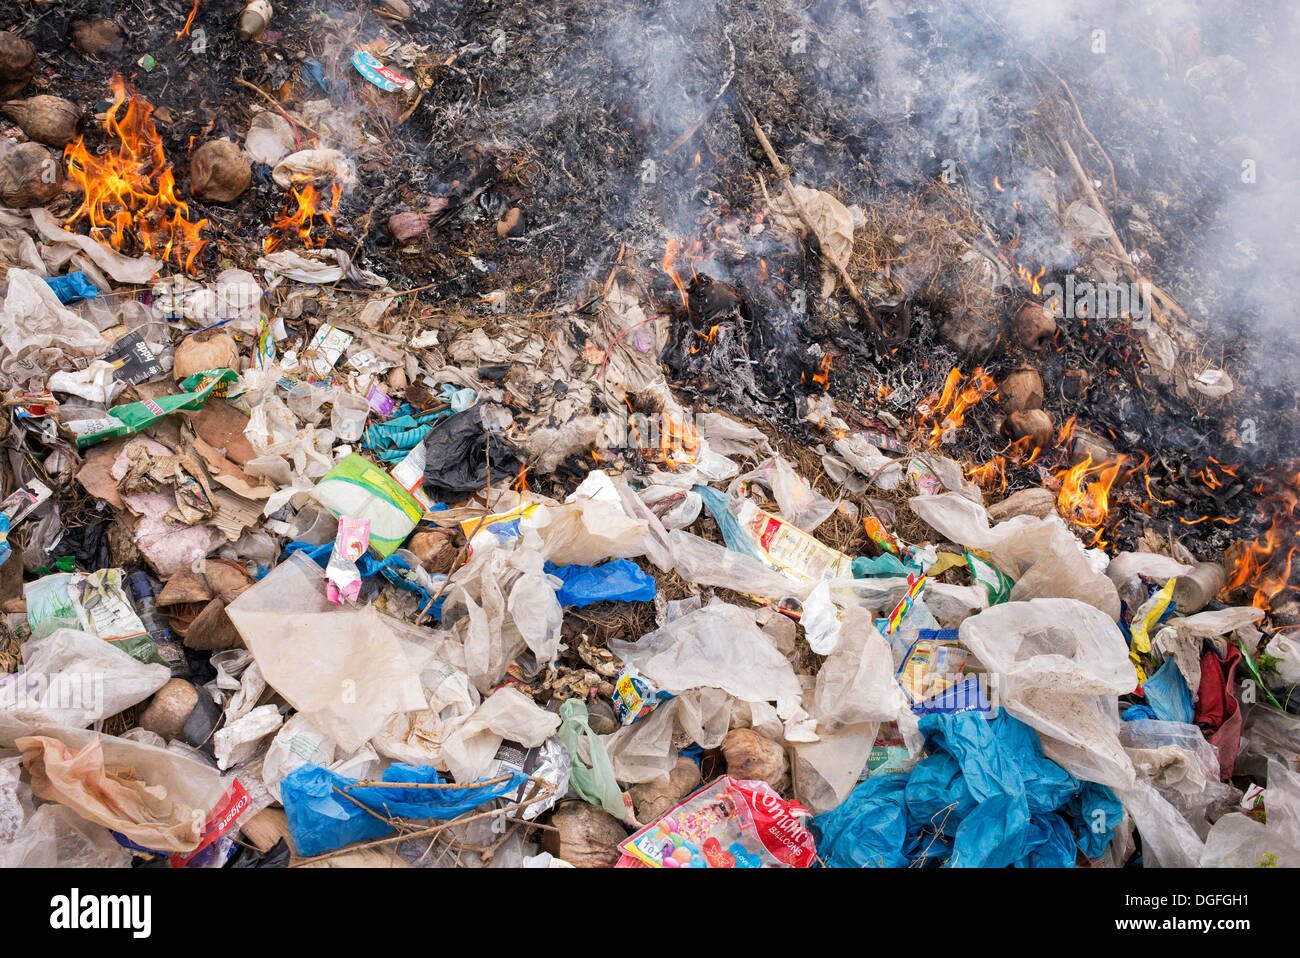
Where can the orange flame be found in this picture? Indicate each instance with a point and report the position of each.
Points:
(670, 255)
(129, 190)
(948, 410)
(1088, 503)
(299, 222)
(1265, 564)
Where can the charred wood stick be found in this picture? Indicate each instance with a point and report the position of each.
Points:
(717, 97)
(783, 174)
(271, 100)
(1090, 193)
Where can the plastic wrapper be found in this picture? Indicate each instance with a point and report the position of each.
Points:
(635, 697)
(72, 679)
(548, 762)
(720, 646)
(359, 673)
(359, 489)
(343, 578)
(727, 824)
(131, 418)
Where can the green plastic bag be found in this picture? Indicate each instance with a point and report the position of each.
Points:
(593, 773)
(130, 418)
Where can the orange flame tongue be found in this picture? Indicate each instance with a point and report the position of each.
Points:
(948, 410)
(1088, 504)
(299, 221)
(129, 191)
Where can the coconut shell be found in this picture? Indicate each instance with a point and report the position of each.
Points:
(1023, 389)
(170, 708)
(30, 175)
(753, 757)
(435, 548)
(219, 172)
(51, 120)
(652, 799)
(17, 63)
(585, 836)
(1034, 327)
(209, 349)
(1034, 423)
(96, 38)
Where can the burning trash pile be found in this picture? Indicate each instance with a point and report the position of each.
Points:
(450, 437)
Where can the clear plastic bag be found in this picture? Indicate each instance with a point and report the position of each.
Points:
(57, 837)
(720, 646)
(359, 673)
(72, 679)
(1058, 644)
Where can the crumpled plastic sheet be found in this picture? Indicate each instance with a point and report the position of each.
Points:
(1041, 555)
(124, 269)
(646, 750)
(592, 525)
(855, 684)
(984, 797)
(40, 334)
(72, 679)
(1059, 665)
(1057, 644)
(719, 646)
(507, 714)
(500, 603)
(882, 471)
(299, 742)
(1168, 841)
(157, 798)
(360, 673)
(237, 740)
(829, 217)
(57, 837)
(798, 502)
(618, 580)
(702, 562)
(417, 737)
(727, 437)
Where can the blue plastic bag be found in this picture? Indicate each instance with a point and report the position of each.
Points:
(1167, 695)
(985, 796)
(321, 819)
(72, 287)
(620, 580)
